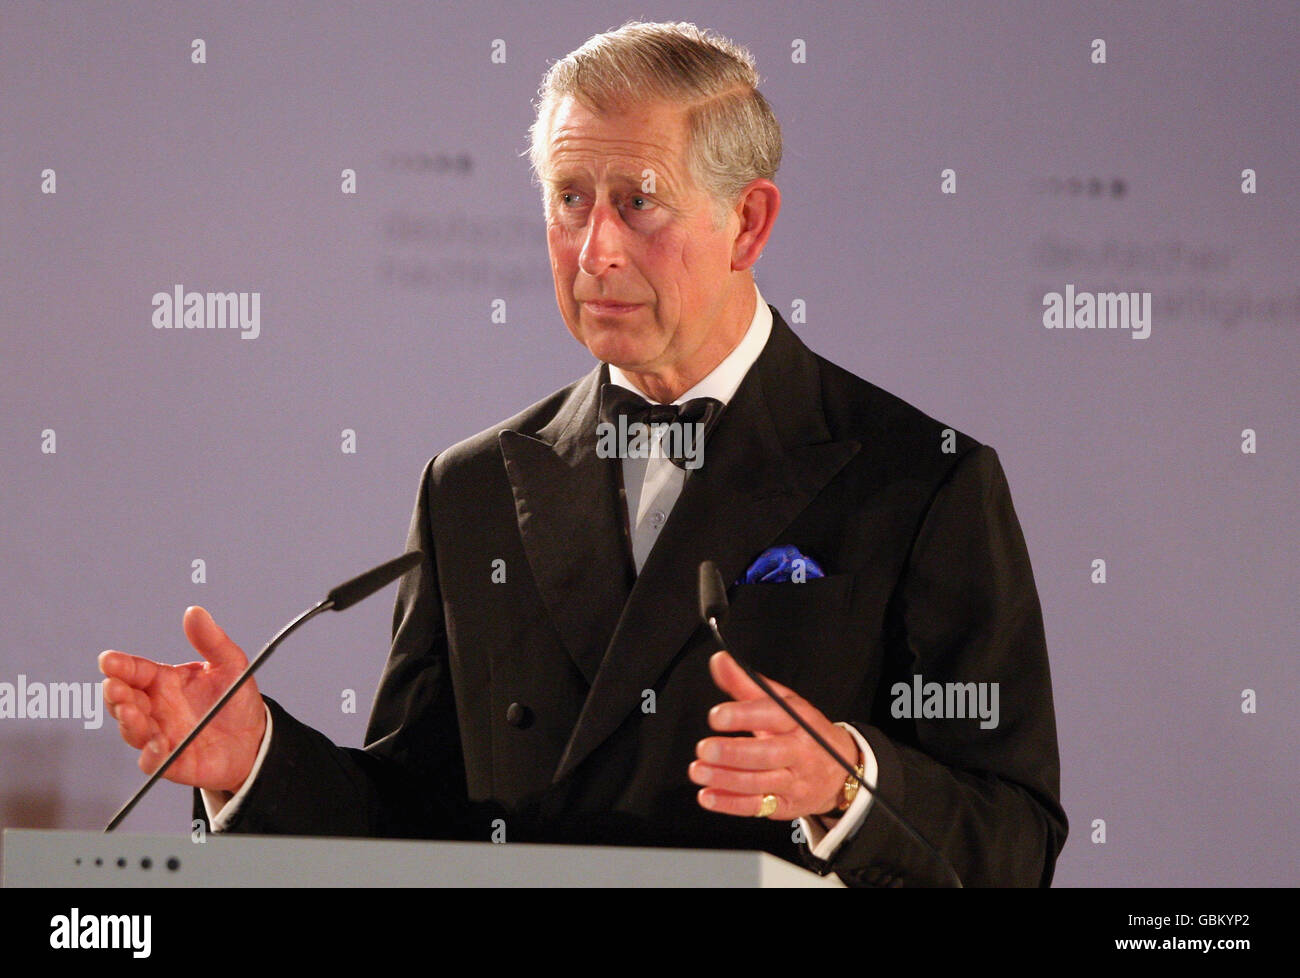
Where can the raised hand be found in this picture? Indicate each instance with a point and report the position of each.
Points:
(779, 759)
(157, 705)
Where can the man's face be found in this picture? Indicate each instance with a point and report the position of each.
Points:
(641, 273)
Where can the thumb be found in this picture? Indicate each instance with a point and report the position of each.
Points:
(732, 679)
(210, 641)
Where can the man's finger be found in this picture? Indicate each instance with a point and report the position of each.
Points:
(756, 715)
(748, 753)
(729, 803)
(135, 726)
(154, 753)
(730, 678)
(210, 640)
(119, 693)
(777, 782)
(134, 670)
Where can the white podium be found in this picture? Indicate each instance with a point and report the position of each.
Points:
(41, 857)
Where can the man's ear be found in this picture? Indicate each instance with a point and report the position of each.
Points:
(756, 209)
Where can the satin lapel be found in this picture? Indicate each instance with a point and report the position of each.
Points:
(759, 473)
(566, 503)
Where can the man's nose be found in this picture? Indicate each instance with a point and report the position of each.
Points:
(603, 246)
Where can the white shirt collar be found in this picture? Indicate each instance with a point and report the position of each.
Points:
(722, 381)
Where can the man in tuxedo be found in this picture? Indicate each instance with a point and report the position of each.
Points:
(549, 678)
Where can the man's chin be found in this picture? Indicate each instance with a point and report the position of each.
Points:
(620, 347)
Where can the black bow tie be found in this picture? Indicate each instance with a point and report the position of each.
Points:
(616, 402)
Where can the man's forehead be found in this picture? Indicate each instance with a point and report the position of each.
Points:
(620, 142)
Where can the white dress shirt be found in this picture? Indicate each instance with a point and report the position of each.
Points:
(652, 487)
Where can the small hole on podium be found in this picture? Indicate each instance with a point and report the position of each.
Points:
(78, 860)
(146, 863)
(98, 861)
(173, 864)
(121, 862)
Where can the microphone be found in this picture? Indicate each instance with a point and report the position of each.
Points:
(344, 596)
(713, 610)
(713, 597)
(363, 585)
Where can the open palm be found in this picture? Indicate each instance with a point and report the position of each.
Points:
(157, 705)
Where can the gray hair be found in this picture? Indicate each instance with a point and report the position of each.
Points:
(733, 136)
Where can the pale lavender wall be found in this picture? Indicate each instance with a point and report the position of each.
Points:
(176, 445)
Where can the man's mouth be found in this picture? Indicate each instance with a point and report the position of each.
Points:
(604, 308)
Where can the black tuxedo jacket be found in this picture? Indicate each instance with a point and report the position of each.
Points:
(523, 706)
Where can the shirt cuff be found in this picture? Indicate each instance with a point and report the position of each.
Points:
(221, 809)
(823, 842)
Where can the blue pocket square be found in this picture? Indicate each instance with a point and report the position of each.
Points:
(779, 564)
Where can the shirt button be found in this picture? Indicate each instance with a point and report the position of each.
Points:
(657, 518)
(518, 715)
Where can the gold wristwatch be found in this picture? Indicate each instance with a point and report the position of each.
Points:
(849, 790)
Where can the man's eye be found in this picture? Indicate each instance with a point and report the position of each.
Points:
(644, 201)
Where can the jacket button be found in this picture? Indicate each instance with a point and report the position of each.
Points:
(518, 715)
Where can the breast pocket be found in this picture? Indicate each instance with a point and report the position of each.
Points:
(794, 633)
